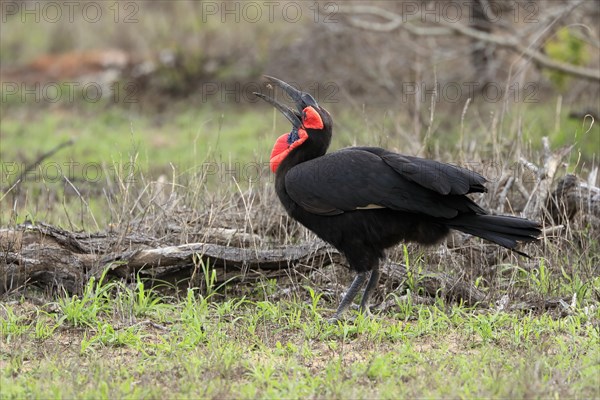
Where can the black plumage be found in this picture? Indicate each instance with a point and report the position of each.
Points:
(363, 200)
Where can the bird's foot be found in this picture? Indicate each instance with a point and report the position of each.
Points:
(366, 313)
(334, 320)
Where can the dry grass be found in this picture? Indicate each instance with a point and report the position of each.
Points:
(208, 204)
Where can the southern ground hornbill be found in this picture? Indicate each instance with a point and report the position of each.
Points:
(363, 200)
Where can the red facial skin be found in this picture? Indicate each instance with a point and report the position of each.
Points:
(281, 148)
(311, 120)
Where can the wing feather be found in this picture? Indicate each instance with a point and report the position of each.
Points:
(365, 177)
(437, 176)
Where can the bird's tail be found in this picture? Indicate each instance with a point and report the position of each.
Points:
(504, 230)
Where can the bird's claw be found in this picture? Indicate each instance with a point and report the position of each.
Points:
(366, 313)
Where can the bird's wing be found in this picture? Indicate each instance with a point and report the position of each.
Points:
(440, 177)
(365, 177)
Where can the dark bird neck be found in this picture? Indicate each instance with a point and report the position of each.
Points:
(309, 150)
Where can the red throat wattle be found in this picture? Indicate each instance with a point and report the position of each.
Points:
(281, 148)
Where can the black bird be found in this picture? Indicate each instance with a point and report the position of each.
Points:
(363, 200)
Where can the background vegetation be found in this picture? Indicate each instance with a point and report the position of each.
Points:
(177, 138)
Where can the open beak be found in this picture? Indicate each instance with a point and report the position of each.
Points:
(301, 99)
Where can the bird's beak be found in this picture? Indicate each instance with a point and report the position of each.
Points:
(301, 99)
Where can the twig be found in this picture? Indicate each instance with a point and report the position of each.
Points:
(552, 229)
(545, 174)
(462, 129)
(395, 21)
(39, 160)
(529, 165)
(83, 201)
(591, 181)
(434, 97)
(504, 193)
(521, 189)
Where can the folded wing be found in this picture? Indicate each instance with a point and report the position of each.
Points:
(367, 177)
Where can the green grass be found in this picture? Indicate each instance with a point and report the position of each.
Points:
(118, 146)
(123, 146)
(183, 139)
(136, 344)
(114, 340)
(188, 136)
(232, 141)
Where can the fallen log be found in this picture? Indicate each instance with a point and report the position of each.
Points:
(50, 257)
(572, 197)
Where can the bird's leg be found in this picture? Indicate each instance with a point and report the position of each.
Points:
(349, 296)
(371, 285)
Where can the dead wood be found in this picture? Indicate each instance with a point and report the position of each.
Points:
(51, 257)
(572, 197)
(435, 284)
(545, 175)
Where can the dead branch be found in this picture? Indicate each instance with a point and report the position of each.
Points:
(545, 175)
(436, 284)
(572, 197)
(51, 257)
(38, 161)
(394, 21)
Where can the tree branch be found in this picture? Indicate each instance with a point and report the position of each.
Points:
(395, 21)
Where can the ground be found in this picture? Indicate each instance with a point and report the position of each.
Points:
(142, 347)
